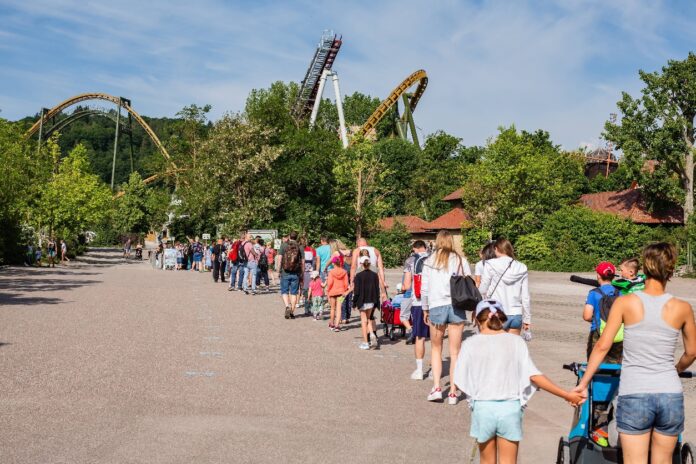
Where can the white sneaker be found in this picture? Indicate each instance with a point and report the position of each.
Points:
(452, 399)
(435, 394)
(430, 374)
(417, 375)
(364, 346)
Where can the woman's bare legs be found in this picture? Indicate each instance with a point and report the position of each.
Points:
(488, 452)
(455, 344)
(437, 334)
(507, 451)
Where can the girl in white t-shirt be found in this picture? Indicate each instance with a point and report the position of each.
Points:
(498, 377)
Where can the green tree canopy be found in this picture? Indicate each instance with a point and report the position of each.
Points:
(659, 126)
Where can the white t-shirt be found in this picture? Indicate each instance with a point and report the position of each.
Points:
(495, 368)
(478, 269)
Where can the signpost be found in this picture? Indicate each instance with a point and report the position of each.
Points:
(206, 236)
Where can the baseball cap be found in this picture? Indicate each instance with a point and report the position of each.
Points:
(606, 269)
(494, 305)
(314, 274)
(364, 259)
(336, 260)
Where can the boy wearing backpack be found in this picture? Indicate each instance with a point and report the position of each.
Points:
(237, 268)
(420, 331)
(597, 306)
(290, 269)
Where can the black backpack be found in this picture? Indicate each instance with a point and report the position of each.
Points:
(463, 291)
(606, 301)
(263, 260)
(242, 257)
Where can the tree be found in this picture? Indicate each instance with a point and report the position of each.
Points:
(361, 184)
(521, 179)
(231, 186)
(19, 170)
(74, 199)
(131, 215)
(659, 126)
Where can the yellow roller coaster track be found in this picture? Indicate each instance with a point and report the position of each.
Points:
(106, 97)
(420, 77)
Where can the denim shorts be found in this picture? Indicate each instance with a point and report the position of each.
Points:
(513, 322)
(289, 284)
(490, 419)
(440, 315)
(197, 257)
(638, 414)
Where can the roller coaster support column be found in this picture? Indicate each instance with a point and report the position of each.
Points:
(118, 126)
(406, 121)
(317, 102)
(339, 107)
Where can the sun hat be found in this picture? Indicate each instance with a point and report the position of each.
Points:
(606, 269)
(364, 259)
(494, 305)
(314, 274)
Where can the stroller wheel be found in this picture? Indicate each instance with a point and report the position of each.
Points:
(687, 453)
(563, 456)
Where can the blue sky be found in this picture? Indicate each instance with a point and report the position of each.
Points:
(558, 66)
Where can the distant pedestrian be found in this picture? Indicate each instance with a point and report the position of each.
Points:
(316, 288)
(291, 268)
(51, 251)
(366, 297)
(127, 249)
(218, 256)
(252, 265)
(64, 253)
(486, 253)
(336, 287)
(263, 265)
(323, 254)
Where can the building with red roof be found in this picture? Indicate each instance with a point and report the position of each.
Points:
(630, 204)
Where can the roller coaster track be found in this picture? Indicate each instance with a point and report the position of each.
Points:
(419, 77)
(105, 97)
(323, 59)
(60, 125)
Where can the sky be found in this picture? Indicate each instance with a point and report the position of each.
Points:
(559, 66)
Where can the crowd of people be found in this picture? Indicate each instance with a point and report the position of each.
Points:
(632, 320)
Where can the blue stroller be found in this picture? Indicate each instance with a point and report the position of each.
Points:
(588, 441)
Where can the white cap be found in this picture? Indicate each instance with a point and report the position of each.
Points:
(364, 259)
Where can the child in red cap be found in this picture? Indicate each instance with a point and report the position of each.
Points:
(606, 272)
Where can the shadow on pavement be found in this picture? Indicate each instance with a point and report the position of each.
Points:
(15, 300)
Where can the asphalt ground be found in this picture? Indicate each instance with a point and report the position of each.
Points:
(107, 361)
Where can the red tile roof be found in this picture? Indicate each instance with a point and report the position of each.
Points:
(414, 224)
(630, 204)
(454, 196)
(452, 220)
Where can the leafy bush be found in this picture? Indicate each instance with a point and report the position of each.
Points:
(473, 239)
(532, 248)
(577, 238)
(394, 244)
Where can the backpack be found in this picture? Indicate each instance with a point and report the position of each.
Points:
(605, 303)
(291, 258)
(418, 275)
(242, 257)
(263, 260)
(233, 255)
(463, 291)
(222, 255)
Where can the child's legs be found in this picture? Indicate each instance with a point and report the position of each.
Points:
(332, 305)
(455, 343)
(337, 321)
(363, 324)
(316, 305)
(507, 451)
(488, 452)
(437, 333)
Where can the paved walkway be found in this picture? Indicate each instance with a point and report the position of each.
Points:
(112, 362)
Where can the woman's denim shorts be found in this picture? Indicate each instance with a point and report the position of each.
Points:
(640, 413)
(440, 315)
(513, 322)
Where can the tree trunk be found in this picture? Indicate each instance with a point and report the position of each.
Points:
(689, 187)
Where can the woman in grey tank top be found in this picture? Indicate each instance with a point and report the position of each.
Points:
(650, 410)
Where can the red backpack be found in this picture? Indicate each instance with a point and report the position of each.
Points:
(233, 255)
(418, 275)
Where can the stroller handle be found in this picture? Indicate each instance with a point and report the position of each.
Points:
(575, 367)
(686, 375)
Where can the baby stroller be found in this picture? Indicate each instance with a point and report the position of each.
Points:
(592, 438)
(139, 254)
(391, 317)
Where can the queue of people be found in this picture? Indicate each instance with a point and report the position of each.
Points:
(632, 321)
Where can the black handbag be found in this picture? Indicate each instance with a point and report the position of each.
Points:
(463, 291)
